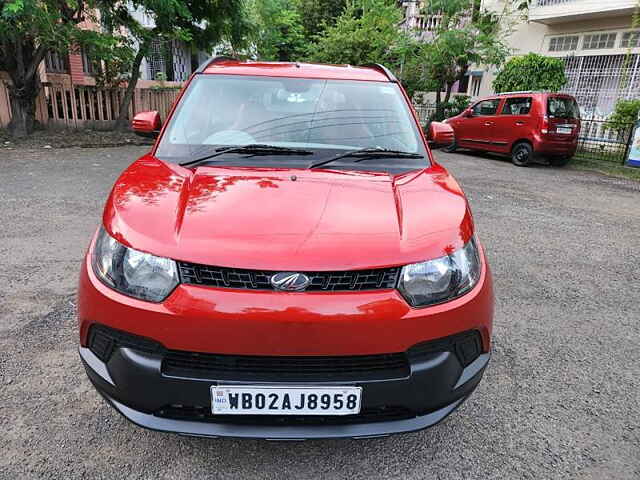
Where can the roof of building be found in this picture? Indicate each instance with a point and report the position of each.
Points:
(224, 65)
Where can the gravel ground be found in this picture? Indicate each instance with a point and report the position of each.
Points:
(561, 398)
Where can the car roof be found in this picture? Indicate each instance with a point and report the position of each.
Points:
(226, 66)
(524, 94)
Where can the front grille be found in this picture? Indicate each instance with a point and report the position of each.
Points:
(286, 368)
(466, 346)
(367, 415)
(222, 277)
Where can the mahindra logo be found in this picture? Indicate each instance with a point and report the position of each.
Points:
(290, 281)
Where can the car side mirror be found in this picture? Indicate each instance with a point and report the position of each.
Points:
(147, 124)
(468, 113)
(440, 134)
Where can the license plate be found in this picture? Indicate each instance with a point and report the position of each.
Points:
(285, 400)
(565, 130)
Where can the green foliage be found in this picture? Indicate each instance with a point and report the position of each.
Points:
(530, 72)
(317, 15)
(456, 105)
(465, 36)
(366, 32)
(624, 115)
(279, 33)
(110, 56)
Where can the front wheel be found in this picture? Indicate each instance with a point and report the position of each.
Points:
(559, 161)
(522, 154)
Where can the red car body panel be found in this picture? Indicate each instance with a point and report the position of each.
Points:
(499, 133)
(240, 322)
(186, 216)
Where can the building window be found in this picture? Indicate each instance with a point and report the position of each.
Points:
(475, 86)
(160, 61)
(599, 41)
(563, 44)
(630, 39)
(88, 67)
(56, 62)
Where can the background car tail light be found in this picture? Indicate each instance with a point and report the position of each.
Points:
(544, 127)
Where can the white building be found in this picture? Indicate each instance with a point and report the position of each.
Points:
(595, 39)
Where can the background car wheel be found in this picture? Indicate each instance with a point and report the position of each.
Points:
(559, 161)
(522, 154)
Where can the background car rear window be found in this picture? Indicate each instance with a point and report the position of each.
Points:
(517, 106)
(562, 107)
(486, 107)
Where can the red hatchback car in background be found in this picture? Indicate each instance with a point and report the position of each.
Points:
(523, 125)
(287, 262)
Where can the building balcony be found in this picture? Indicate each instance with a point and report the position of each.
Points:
(560, 11)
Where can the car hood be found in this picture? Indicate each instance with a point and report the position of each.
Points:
(277, 219)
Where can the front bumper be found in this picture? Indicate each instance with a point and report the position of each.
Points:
(136, 383)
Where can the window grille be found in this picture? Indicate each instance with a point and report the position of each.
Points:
(599, 41)
(599, 81)
(56, 62)
(563, 44)
(630, 39)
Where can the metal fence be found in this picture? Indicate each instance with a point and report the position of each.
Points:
(598, 142)
(425, 111)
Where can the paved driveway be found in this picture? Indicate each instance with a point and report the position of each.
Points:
(561, 398)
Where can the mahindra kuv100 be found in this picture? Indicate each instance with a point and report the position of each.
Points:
(287, 262)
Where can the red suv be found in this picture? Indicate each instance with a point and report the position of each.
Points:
(521, 124)
(288, 261)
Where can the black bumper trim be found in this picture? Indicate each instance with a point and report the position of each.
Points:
(203, 429)
(128, 375)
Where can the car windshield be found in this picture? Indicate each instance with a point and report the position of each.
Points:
(562, 107)
(326, 117)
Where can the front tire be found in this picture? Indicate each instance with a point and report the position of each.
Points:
(522, 154)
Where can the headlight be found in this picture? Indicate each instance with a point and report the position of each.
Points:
(441, 279)
(131, 272)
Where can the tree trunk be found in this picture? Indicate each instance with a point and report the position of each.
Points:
(23, 110)
(439, 108)
(121, 122)
(22, 67)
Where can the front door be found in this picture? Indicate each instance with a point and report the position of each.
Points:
(476, 131)
(514, 122)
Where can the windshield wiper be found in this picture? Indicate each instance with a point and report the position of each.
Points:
(254, 148)
(366, 154)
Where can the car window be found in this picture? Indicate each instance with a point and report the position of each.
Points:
(562, 107)
(517, 106)
(313, 114)
(486, 107)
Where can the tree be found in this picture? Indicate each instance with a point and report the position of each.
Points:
(202, 23)
(317, 15)
(464, 36)
(366, 32)
(624, 115)
(530, 72)
(28, 30)
(279, 33)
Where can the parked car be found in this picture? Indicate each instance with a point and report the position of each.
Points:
(288, 261)
(524, 125)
